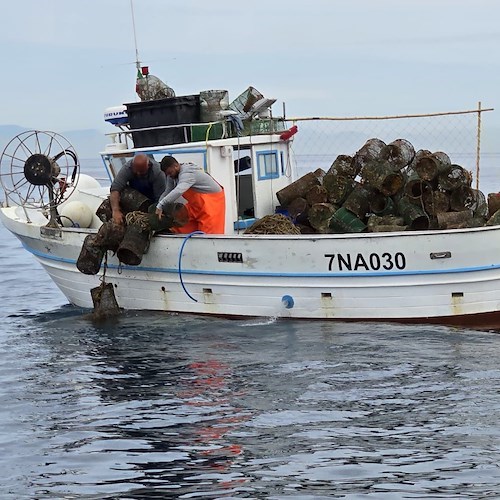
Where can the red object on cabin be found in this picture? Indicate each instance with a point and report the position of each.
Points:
(289, 133)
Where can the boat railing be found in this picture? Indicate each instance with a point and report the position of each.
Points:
(159, 135)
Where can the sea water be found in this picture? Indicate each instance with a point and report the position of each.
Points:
(155, 405)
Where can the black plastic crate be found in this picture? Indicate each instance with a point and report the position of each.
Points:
(160, 137)
(171, 111)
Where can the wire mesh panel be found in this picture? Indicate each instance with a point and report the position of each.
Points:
(320, 140)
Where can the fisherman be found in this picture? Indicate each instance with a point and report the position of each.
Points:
(141, 173)
(206, 203)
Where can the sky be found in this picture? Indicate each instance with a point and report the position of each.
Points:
(65, 61)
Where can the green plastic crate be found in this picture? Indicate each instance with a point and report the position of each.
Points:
(256, 127)
(199, 132)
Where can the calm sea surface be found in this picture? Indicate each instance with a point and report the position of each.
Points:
(177, 406)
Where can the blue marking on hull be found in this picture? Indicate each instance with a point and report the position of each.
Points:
(273, 274)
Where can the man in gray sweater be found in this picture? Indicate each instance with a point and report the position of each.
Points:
(206, 203)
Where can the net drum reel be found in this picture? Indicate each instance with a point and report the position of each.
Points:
(39, 170)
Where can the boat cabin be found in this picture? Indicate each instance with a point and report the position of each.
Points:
(247, 152)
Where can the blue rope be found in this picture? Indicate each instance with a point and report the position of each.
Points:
(237, 123)
(180, 262)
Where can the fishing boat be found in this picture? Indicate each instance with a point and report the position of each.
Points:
(448, 276)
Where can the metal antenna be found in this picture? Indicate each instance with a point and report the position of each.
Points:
(137, 62)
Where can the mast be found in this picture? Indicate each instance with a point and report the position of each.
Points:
(137, 62)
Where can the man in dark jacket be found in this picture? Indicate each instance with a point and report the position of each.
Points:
(141, 173)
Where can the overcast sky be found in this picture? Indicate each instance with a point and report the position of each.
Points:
(65, 61)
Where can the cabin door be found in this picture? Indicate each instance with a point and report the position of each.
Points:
(243, 178)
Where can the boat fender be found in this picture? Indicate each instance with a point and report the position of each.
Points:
(287, 301)
(87, 182)
(287, 134)
(75, 214)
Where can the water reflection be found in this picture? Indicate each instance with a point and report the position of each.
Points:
(159, 406)
(145, 400)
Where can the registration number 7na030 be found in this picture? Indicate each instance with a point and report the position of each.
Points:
(369, 262)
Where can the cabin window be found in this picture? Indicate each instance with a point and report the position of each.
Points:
(113, 164)
(196, 156)
(268, 164)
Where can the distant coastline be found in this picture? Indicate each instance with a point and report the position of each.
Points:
(87, 143)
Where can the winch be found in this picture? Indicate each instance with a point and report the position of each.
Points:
(39, 169)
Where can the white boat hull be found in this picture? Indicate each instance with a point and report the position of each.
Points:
(449, 276)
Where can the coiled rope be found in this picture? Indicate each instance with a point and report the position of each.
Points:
(138, 219)
(273, 224)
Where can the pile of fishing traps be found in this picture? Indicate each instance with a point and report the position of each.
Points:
(387, 187)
